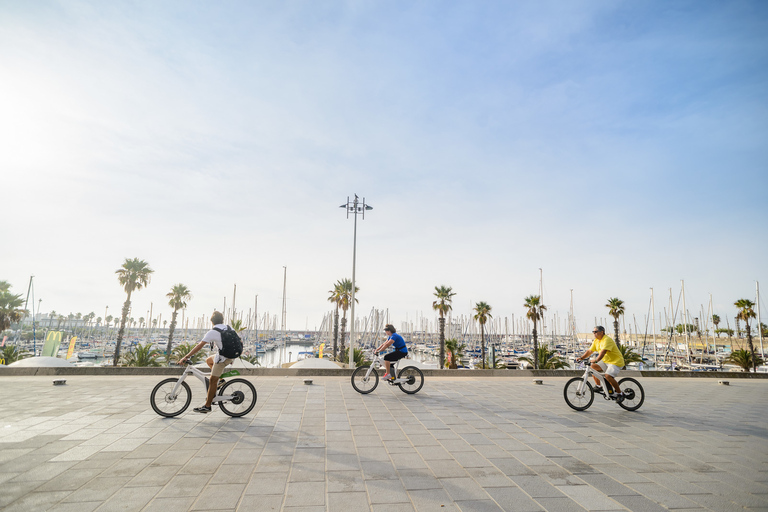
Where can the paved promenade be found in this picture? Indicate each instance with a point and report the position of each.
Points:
(459, 444)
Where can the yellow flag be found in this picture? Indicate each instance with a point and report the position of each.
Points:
(320, 354)
(71, 347)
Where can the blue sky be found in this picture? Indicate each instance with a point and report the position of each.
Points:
(618, 146)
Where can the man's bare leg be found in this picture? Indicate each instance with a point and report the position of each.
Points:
(212, 383)
(613, 383)
(597, 368)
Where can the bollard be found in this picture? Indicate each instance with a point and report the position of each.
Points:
(724, 382)
(538, 381)
(59, 382)
(307, 382)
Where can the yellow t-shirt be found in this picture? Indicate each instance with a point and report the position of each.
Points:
(613, 356)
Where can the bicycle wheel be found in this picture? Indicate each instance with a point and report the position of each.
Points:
(634, 395)
(165, 403)
(243, 397)
(578, 400)
(362, 383)
(415, 379)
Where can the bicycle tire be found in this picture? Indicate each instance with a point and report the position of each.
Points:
(578, 401)
(364, 385)
(636, 394)
(242, 404)
(415, 380)
(164, 389)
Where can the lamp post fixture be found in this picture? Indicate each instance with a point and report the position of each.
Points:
(355, 207)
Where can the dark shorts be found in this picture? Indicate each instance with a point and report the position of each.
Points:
(395, 356)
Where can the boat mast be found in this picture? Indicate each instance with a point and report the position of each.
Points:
(685, 324)
(282, 323)
(759, 324)
(711, 315)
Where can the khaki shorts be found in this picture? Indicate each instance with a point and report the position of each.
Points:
(218, 368)
(609, 369)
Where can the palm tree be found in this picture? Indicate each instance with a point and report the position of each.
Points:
(12, 353)
(142, 355)
(238, 325)
(251, 358)
(744, 359)
(442, 305)
(746, 311)
(183, 349)
(547, 359)
(335, 298)
(615, 309)
(630, 356)
(345, 302)
(51, 316)
(360, 359)
(133, 275)
(482, 314)
(11, 310)
(179, 295)
(716, 321)
(535, 312)
(456, 351)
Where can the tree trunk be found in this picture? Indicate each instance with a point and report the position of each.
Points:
(751, 347)
(535, 348)
(616, 330)
(482, 344)
(442, 341)
(343, 334)
(126, 308)
(335, 332)
(170, 337)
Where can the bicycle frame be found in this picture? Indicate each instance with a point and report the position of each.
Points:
(191, 370)
(376, 361)
(590, 372)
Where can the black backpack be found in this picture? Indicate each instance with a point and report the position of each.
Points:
(231, 344)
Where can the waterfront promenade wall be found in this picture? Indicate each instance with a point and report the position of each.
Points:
(341, 372)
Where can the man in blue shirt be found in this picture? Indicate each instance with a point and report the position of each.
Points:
(400, 349)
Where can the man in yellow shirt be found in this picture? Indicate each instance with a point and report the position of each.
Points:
(608, 360)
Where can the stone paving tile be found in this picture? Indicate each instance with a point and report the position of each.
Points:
(460, 444)
(129, 499)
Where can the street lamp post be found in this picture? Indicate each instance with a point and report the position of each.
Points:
(355, 207)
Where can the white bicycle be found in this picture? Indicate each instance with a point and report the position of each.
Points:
(365, 378)
(171, 397)
(579, 393)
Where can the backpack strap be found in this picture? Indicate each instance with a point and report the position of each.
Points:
(217, 330)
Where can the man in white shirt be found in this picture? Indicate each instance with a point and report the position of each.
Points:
(216, 362)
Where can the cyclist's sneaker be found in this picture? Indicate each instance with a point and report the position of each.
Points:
(599, 389)
(619, 397)
(202, 409)
(387, 377)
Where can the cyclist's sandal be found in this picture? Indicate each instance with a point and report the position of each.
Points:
(221, 383)
(202, 409)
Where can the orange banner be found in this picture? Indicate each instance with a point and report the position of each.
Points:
(71, 347)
